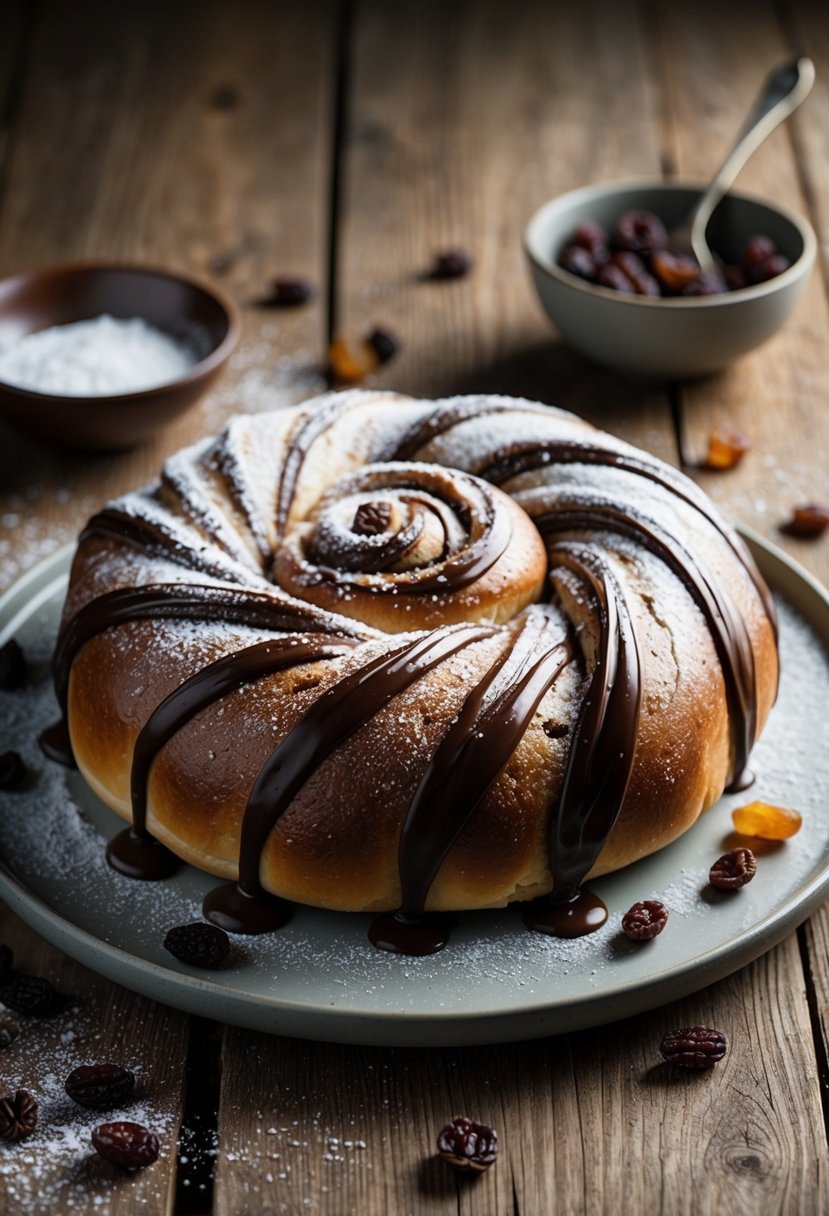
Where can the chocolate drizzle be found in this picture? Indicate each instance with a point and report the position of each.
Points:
(337, 714)
(725, 623)
(476, 748)
(443, 418)
(604, 740)
(207, 686)
(518, 458)
(464, 506)
(149, 536)
(497, 711)
(308, 430)
(181, 602)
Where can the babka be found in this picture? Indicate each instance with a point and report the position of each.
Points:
(380, 654)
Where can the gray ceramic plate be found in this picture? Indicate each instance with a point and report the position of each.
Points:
(319, 978)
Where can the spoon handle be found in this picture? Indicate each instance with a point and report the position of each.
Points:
(783, 91)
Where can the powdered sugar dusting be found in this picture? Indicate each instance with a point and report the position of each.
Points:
(322, 965)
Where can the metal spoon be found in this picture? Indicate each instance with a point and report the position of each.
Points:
(784, 89)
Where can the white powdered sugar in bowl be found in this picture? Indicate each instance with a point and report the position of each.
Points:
(95, 358)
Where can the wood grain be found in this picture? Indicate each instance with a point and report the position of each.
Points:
(777, 394)
(56, 1169)
(200, 136)
(455, 138)
(195, 136)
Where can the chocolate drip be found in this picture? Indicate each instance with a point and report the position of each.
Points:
(443, 419)
(527, 457)
(149, 537)
(490, 725)
(397, 934)
(137, 854)
(577, 916)
(233, 910)
(337, 714)
(604, 740)
(204, 688)
(182, 602)
(744, 781)
(725, 623)
(308, 431)
(56, 745)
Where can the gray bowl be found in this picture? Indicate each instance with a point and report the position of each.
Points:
(677, 337)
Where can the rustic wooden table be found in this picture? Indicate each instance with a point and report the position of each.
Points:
(347, 142)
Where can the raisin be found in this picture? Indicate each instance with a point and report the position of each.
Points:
(645, 920)
(755, 252)
(591, 236)
(198, 945)
(385, 343)
(289, 291)
(807, 522)
(726, 448)
(640, 232)
(6, 963)
(468, 1145)
(773, 265)
(100, 1086)
(128, 1145)
(12, 770)
(766, 822)
(580, 262)
(630, 264)
(735, 278)
(12, 666)
(611, 276)
(451, 264)
(733, 870)
(695, 1047)
(710, 284)
(674, 270)
(30, 995)
(18, 1116)
(371, 518)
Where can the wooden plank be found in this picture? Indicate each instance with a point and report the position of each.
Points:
(807, 28)
(56, 1169)
(777, 395)
(585, 1118)
(193, 136)
(455, 137)
(456, 132)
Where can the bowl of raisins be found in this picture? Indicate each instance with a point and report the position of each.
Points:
(608, 279)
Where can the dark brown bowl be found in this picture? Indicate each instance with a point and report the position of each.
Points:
(187, 310)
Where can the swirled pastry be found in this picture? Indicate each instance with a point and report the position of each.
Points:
(375, 653)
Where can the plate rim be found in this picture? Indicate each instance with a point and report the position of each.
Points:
(404, 1027)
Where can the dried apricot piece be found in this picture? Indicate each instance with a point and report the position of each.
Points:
(726, 448)
(766, 821)
(808, 522)
(350, 361)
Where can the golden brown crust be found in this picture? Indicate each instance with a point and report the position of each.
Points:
(337, 844)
